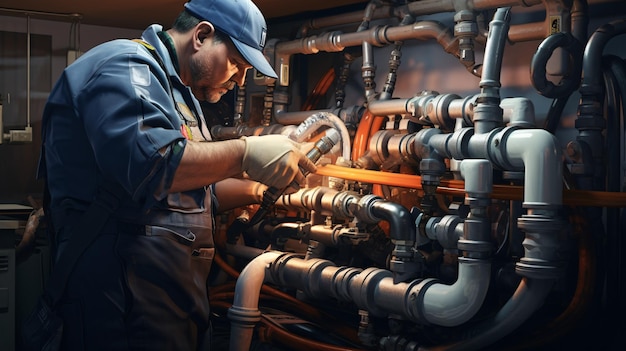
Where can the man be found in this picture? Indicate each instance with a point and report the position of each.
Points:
(126, 116)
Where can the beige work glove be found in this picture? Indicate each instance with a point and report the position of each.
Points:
(276, 161)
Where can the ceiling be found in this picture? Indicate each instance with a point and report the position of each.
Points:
(138, 14)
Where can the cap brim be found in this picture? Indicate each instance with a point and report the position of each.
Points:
(255, 58)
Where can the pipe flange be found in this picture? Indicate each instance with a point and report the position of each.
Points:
(459, 143)
(312, 279)
(539, 224)
(364, 209)
(363, 289)
(415, 296)
(437, 111)
(341, 282)
(477, 246)
(279, 265)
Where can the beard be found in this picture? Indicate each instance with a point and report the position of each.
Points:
(199, 73)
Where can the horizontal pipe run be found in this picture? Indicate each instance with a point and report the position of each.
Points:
(455, 187)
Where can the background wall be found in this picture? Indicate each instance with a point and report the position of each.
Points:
(50, 42)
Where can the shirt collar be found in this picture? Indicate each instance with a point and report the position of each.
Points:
(167, 40)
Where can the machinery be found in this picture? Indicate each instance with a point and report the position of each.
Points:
(463, 204)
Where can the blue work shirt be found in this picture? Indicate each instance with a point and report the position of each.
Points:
(111, 117)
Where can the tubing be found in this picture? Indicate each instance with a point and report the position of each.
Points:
(570, 81)
(362, 134)
(319, 119)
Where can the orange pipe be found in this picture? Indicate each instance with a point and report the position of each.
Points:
(359, 145)
(456, 187)
(319, 90)
(376, 125)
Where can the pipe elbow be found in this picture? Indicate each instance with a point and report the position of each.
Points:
(535, 151)
(453, 305)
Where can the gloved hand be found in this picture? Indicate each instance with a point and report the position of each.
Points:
(276, 161)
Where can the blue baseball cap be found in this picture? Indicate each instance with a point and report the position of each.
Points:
(243, 22)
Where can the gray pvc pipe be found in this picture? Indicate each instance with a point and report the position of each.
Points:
(537, 152)
(452, 305)
(528, 297)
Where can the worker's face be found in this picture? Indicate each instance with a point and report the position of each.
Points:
(215, 69)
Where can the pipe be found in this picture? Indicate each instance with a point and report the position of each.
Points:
(402, 232)
(453, 305)
(487, 113)
(244, 313)
(579, 14)
(378, 36)
(571, 197)
(590, 122)
(373, 289)
(441, 109)
(368, 68)
(336, 41)
(615, 97)
(519, 112)
(534, 151)
(361, 135)
(528, 297)
(545, 52)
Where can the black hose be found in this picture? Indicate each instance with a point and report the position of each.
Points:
(570, 82)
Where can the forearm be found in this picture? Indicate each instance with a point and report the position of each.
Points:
(232, 193)
(205, 163)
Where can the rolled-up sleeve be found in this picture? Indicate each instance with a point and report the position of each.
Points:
(132, 125)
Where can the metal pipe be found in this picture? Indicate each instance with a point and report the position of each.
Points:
(487, 113)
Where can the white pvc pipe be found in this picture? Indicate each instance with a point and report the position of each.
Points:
(246, 301)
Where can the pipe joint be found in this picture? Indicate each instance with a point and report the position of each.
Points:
(364, 209)
(363, 289)
(417, 107)
(415, 296)
(541, 247)
(447, 230)
(437, 111)
(457, 146)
